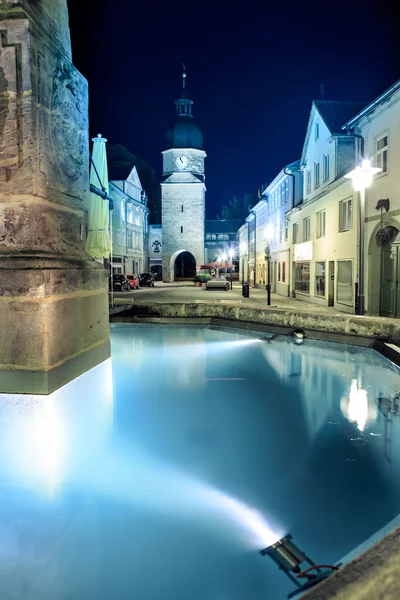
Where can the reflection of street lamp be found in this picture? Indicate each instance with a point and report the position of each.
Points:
(243, 247)
(358, 405)
(362, 179)
(231, 253)
(268, 233)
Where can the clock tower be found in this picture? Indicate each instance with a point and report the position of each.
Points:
(182, 189)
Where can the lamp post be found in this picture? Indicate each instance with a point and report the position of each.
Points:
(243, 247)
(231, 253)
(362, 179)
(224, 257)
(268, 232)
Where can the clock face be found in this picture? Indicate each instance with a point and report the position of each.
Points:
(182, 161)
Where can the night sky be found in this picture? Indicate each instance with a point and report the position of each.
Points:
(252, 73)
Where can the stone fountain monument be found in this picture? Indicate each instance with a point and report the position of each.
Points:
(53, 297)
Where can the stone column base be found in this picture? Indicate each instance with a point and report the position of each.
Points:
(53, 321)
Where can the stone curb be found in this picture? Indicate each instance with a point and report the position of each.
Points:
(349, 325)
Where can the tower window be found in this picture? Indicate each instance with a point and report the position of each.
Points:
(181, 228)
(182, 208)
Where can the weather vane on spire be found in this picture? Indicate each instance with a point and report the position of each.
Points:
(183, 76)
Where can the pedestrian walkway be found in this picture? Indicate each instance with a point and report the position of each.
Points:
(186, 292)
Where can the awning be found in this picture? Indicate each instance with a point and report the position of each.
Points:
(217, 265)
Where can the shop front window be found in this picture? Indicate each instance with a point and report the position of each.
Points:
(302, 281)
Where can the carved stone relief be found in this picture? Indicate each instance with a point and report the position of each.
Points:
(69, 123)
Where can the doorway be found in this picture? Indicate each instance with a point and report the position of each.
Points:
(185, 266)
(390, 305)
(390, 272)
(331, 283)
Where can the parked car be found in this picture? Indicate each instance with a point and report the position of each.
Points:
(120, 283)
(146, 279)
(133, 282)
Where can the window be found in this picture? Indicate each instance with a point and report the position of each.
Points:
(129, 211)
(286, 189)
(302, 277)
(283, 272)
(308, 181)
(316, 175)
(138, 214)
(321, 219)
(129, 242)
(279, 271)
(280, 231)
(345, 215)
(316, 131)
(344, 291)
(381, 153)
(295, 233)
(181, 228)
(182, 208)
(326, 167)
(320, 279)
(306, 229)
(286, 229)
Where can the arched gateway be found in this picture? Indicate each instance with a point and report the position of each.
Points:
(184, 265)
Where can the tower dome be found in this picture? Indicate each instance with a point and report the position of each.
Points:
(183, 131)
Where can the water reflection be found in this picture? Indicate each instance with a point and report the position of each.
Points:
(200, 443)
(357, 408)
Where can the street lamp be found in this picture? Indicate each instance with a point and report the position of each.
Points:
(268, 233)
(231, 253)
(243, 247)
(362, 179)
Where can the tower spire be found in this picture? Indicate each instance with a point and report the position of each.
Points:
(184, 102)
(183, 76)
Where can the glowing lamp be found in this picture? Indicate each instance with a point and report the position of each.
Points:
(362, 176)
(289, 558)
(231, 253)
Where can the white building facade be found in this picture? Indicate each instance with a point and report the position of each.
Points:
(129, 225)
(378, 124)
(282, 194)
(324, 238)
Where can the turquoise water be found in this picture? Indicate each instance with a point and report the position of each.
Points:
(161, 473)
